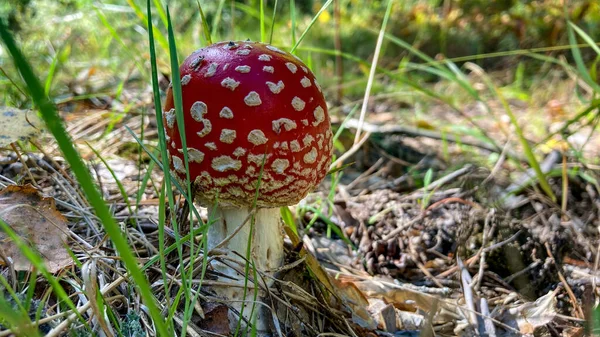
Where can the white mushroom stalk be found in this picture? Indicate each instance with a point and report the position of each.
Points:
(266, 252)
(258, 135)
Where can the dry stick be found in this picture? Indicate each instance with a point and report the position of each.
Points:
(228, 238)
(565, 188)
(350, 152)
(487, 231)
(476, 256)
(353, 123)
(365, 174)
(466, 281)
(579, 311)
(447, 178)
(24, 165)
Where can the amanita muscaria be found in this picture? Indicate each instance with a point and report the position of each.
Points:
(249, 107)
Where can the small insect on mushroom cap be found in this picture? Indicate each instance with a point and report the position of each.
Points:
(255, 117)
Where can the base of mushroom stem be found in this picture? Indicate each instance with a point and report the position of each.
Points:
(266, 252)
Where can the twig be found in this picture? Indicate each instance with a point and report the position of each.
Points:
(350, 152)
(447, 178)
(576, 306)
(415, 132)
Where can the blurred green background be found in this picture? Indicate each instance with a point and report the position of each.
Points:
(94, 54)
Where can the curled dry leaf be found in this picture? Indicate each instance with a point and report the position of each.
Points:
(18, 125)
(37, 221)
(531, 315)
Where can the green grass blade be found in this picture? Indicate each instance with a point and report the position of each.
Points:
(217, 19)
(114, 176)
(312, 22)
(54, 124)
(18, 321)
(205, 28)
(273, 22)
(263, 32)
(582, 70)
(293, 21)
(527, 149)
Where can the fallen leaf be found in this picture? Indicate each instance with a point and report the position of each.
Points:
(18, 125)
(37, 221)
(531, 315)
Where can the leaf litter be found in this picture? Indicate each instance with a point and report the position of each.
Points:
(406, 245)
(35, 220)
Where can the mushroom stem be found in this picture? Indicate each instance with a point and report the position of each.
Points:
(266, 251)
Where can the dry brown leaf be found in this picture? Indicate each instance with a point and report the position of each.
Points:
(37, 221)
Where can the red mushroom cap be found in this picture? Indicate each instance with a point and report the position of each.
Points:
(243, 101)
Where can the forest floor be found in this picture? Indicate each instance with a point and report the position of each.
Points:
(433, 241)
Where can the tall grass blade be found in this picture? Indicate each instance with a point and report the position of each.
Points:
(263, 32)
(531, 159)
(363, 110)
(582, 69)
(205, 28)
(273, 22)
(312, 22)
(54, 124)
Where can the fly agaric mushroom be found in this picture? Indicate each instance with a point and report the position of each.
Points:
(257, 133)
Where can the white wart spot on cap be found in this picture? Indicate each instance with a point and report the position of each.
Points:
(243, 69)
(211, 146)
(304, 122)
(298, 103)
(207, 127)
(275, 49)
(226, 113)
(170, 118)
(186, 79)
(225, 66)
(304, 69)
(268, 69)
(311, 156)
(264, 57)
(196, 62)
(257, 137)
(287, 124)
(295, 146)
(280, 165)
(227, 136)
(275, 88)
(230, 83)
(319, 114)
(194, 155)
(305, 82)
(308, 139)
(292, 67)
(239, 151)
(252, 99)
(256, 158)
(212, 69)
(198, 110)
(225, 163)
(243, 52)
(178, 164)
